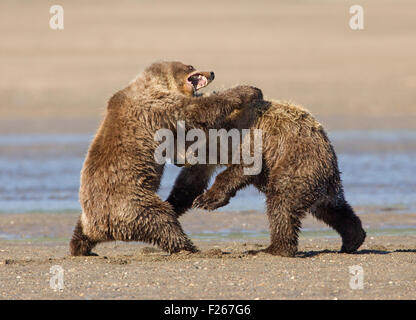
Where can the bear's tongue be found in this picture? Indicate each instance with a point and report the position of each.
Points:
(202, 82)
(198, 81)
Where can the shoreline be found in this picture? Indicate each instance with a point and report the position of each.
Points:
(224, 269)
(202, 225)
(89, 124)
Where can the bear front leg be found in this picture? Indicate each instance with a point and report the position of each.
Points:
(285, 221)
(190, 183)
(210, 112)
(226, 185)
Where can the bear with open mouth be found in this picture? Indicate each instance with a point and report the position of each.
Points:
(120, 176)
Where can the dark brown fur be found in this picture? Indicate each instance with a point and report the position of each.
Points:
(299, 175)
(120, 176)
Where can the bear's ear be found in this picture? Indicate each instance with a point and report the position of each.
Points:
(156, 69)
(117, 100)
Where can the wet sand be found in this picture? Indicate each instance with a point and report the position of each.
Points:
(225, 269)
(222, 271)
(238, 225)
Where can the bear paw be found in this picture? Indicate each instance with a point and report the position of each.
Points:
(210, 201)
(279, 251)
(249, 94)
(350, 245)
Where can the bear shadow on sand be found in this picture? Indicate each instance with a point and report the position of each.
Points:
(313, 253)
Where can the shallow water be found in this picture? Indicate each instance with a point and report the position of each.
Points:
(243, 235)
(41, 172)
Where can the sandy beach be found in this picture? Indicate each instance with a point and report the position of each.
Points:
(226, 268)
(60, 81)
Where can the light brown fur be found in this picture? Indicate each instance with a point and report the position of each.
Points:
(299, 175)
(120, 176)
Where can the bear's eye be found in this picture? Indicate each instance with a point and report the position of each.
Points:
(191, 68)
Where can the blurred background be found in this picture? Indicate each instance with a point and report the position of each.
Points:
(361, 84)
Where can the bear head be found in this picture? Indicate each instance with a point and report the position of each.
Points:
(178, 77)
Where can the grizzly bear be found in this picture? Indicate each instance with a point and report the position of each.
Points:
(120, 176)
(299, 174)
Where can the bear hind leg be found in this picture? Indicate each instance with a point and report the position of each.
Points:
(80, 244)
(157, 225)
(341, 218)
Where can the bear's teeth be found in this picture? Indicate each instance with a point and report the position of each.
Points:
(202, 81)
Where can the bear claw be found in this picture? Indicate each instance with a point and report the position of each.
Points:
(206, 202)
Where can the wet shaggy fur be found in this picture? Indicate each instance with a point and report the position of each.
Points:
(299, 175)
(120, 176)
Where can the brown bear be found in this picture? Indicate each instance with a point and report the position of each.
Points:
(299, 174)
(120, 176)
